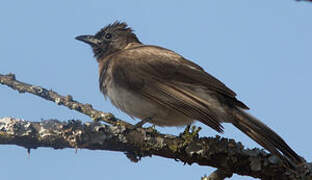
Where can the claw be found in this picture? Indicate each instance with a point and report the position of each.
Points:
(142, 122)
(189, 136)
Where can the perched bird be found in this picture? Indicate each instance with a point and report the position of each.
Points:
(160, 86)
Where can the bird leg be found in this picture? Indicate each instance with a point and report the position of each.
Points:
(188, 135)
(142, 122)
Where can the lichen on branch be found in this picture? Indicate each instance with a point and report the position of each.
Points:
(225, 154)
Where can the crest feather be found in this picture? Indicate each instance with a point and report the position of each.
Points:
(117, 25)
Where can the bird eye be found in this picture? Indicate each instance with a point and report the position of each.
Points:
(108, 36)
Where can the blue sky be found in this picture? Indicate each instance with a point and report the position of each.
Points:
(260, 49)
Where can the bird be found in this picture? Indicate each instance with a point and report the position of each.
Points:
(160, 86)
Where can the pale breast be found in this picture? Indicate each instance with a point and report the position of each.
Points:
(137, 106)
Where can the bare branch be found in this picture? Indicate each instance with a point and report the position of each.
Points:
(10, 81)
(225, 154)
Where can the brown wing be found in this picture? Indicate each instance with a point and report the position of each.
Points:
(168, 65)
(153, 72)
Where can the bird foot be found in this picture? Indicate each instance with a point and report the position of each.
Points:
(142, 122)
(190, 135)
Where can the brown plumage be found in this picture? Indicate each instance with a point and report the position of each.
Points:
(151, 82)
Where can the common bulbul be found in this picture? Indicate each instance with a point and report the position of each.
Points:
(162, 87)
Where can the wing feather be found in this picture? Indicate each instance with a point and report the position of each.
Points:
(176, 99)
(159, 75)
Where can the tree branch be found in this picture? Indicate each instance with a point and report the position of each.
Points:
(10, 81)
(225, 154)
(218, 152)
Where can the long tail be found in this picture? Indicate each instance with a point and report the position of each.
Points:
(266, 137)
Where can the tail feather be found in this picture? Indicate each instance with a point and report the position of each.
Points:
(266, 137)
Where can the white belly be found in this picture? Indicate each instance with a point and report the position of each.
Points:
(137, 106)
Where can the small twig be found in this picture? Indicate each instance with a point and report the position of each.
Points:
(218, 175)
(305, 0)
(10, 81)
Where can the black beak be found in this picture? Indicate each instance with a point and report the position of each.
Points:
(91, 40)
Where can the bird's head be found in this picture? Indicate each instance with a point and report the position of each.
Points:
(111, 38)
